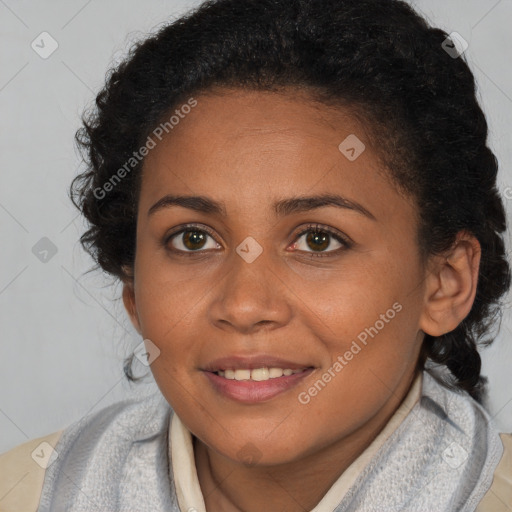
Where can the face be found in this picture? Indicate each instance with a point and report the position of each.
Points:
(250, 278)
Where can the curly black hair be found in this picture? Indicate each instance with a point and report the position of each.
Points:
(380, 58)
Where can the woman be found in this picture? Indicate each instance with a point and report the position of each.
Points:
(300, 202)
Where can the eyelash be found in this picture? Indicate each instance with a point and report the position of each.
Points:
(307, 229)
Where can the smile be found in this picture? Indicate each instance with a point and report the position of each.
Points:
(257, 374)
(255, 385)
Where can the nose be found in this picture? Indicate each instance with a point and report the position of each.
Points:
(251, 297)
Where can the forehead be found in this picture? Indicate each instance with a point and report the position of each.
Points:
(226, 116)
(264, 145)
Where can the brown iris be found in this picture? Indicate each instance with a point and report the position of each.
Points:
(196, 239)
(320, 239)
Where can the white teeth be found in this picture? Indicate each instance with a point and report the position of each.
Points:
(275, 372)
(242, 374)
(258, 374)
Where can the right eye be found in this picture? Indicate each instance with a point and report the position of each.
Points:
(191, 239)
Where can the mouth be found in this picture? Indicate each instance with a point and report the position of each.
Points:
(257, 374)
(254, 379)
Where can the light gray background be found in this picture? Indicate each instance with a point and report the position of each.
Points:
(64, 334)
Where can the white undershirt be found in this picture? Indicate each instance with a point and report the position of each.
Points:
(188, 490)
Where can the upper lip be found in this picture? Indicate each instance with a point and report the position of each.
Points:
(252, 362)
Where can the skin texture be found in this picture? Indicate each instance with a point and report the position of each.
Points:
(248, 149)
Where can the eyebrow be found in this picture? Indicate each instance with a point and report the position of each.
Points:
(282, 207)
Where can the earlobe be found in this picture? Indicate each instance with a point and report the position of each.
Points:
(451, 286)
(130, 305)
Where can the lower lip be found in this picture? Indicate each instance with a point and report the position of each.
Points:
(250, 391)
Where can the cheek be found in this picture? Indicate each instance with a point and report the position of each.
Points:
(367, 315)
(168, 313)
(349, 299)
(369, 360)
(166, 294)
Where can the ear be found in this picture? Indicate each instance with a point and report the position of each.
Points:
(130, 305)
(451, 286)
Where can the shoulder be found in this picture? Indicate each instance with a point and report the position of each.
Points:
(30, 472)
(499, 496)
(22, 472)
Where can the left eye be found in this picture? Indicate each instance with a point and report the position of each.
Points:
(319, 240)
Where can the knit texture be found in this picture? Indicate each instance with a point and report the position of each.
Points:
(114, 460)
(441, 458)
